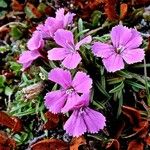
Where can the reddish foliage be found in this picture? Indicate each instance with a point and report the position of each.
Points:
(138, 2)
(113, 144)
(76, 142)
(132, 114)
(110, 9)
(16, 6)
(34, 10)
(123, 10)
(135, 145)
(50, 144)
(142, 130)
(6, 143)
(52, 121)
(11, 122)
(86, 7)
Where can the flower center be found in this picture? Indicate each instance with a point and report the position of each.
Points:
(70, 46)
(69, 91)
(120, 49)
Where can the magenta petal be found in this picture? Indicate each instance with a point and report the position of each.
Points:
(102, 50)
(60, 14)
(55, 100)
(120, 35)
(72, 60)
(36, 41)
(86, 40)
(113, 63)
(64, 38)
(93, 120)
(61, 77)
(52, 24)
(26, 65)
(135, 40)
(83, 101)
(27, 57)
(82, 83)
(44, 31)
(133, 55)
(75, 125)
(72, 99)
(57, 53)
(68, 18)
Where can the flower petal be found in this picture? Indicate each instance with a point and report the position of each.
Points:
(55, 101)
(44, 31)
(53, 24)
(61, 77)
(93, 120)
(26, 65)
(64, 38)
(135, 40)
(82, 83)
(86, 40)
(57, 53)
(72, 60)
(27, 57)
(75, 125)
(60, 14)
(113, 63)
(72, 99)
(120, 35)
(102, 50)
(133, 55)
(68, 18)
(36, 41)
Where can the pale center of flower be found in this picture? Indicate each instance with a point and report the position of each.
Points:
(70, 46)
(120, 49)
(69, 91)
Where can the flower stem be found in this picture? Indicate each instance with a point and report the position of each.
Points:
(146, 83)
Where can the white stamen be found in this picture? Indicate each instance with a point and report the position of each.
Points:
(69, 91)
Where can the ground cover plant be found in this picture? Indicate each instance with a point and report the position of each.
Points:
(74, 75)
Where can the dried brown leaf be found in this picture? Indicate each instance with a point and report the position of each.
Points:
(16, 6)
(142, 129)
(11, 122)
(113, 144)
(132, 114)
(110, 9)
(52, 120)
(135, 145)
(50, 144)
(6, 142)
(76, 142)
(123, 10)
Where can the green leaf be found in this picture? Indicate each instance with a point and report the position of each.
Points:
(80, 25)
(115, 80)
(81, 33)
(134, 84)
(16, 67)
(2, 80)
(3, 4)
(117, 88)
(16, 33)
(124, 74)
(96, 15)
(102, 90)
(8, 91)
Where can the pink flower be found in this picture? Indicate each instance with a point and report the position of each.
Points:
(52, 24)
(83, 119)
(34, 45)
(68, 52)
(124, 48)
(71, 89)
